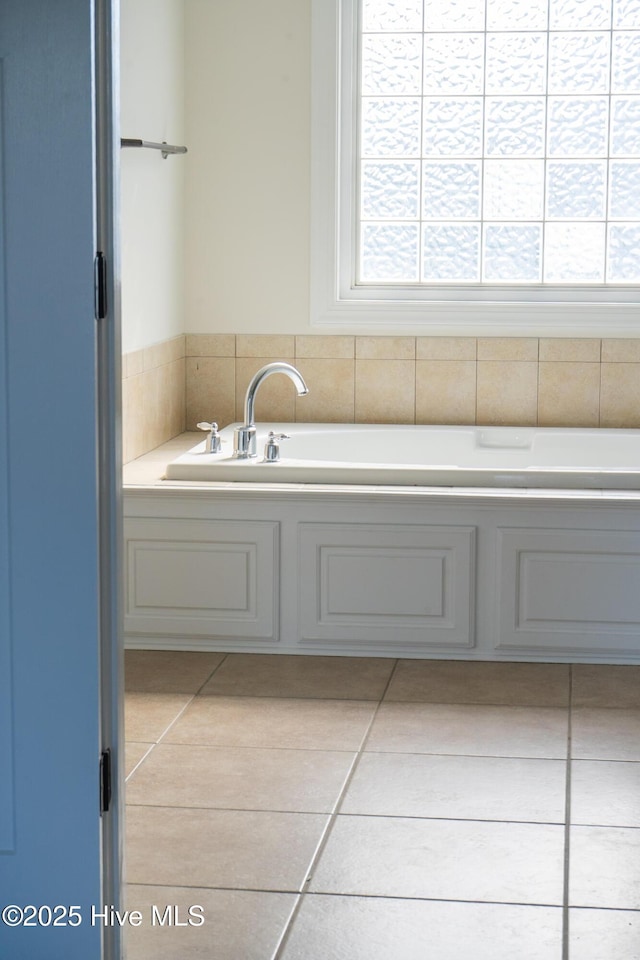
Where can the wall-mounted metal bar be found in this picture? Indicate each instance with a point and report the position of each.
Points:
(165, 148)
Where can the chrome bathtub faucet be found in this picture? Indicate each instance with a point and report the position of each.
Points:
(272, 446)
(214, 440)
(244, 437)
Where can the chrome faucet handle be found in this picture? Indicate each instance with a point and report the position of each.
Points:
(272, 446)
(214, 441)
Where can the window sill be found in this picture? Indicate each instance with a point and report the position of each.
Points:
(440, 318)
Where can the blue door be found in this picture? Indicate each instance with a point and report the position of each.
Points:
(53, 425)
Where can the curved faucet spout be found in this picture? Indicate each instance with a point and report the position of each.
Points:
(244, 440)
(259, 377)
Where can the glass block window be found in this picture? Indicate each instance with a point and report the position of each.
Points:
(499, 142)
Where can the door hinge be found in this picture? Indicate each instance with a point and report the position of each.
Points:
(100, 285)
(105, 781)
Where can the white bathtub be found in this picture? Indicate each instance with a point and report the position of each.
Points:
(427, 456)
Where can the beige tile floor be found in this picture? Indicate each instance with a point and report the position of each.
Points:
(321, 808)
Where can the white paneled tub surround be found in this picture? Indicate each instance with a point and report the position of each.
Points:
(427, 455)
(429, 572)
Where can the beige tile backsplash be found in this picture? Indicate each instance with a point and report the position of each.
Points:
(507, 392)
(153, 396)
(385, 391)
(507, 348)
(210, 390)
(446, 348)
(570, 349)
(385, 348)
(332, 399)
(569, 392)
(620, 395)
(326, 348)
(584, 382)
(446, 391)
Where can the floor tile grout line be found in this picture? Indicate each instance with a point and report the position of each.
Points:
(276, 949)
(174, 721)
(326, 833)
(284, 933)
(515, 704)
(283, 696)
(384, 896)
(192, 692)
(382, 753)
(603, 760)
(192, 809)
(140, 761)
(606, 826)
(382, 816)
(372, 896)
(368, 816)
(435, 703)
(192, 697)
(177, 717)
(414, 899)
(518, 704)
(211, 675)
(378, 896)
(258, 746)
(567, 829)
(582, 906)
(462, 756)
(160, 738)
(308, 873)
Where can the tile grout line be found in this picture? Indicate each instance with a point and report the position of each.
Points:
(326, 833)
(381, 753)
(167, 728)
(413, 702)
(281, 696)
(360, 816)
(610, 909)
(139, 763)
(161, 738)
(376, 896)
(211, 675)
(567, 828)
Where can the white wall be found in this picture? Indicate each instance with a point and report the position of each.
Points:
(247, 189)
(152, 189)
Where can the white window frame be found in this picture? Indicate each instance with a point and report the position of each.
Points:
(339, 306)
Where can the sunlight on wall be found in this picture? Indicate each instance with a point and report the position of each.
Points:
(247, 188)
(152, 189)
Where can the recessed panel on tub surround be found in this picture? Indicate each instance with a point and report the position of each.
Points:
(571, 589)
(210, 578)
(371, 583)
(406, 582)
(215, 576)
